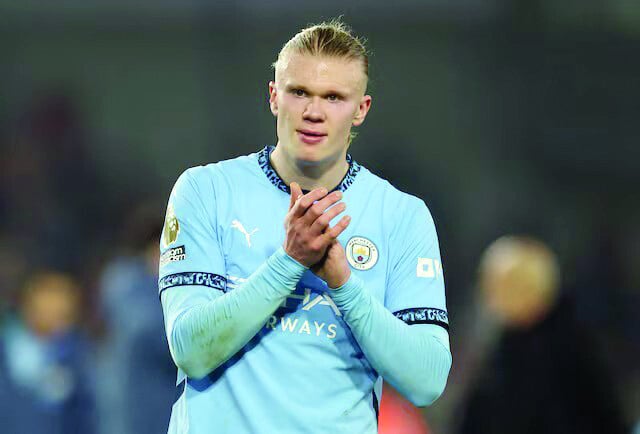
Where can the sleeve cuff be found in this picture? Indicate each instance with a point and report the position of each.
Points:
(283, 268)
(346, 295)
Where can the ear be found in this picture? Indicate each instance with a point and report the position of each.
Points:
(273, 103)
(363, 109)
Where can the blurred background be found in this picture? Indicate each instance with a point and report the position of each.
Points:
(506, 117)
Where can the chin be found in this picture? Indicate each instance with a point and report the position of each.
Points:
(310, 154)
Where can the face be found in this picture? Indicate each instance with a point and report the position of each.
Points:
(317, 100)
(51, 310)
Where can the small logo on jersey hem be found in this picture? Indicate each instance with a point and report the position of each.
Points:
(362, 253)
(173, 255)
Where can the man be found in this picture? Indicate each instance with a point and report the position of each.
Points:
(286, 329)
(538, 367)
(45, 379)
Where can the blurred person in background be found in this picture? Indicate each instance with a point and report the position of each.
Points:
(45, 385)
(137, 381)
(540, 371)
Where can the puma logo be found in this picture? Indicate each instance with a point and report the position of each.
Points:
(247, 235)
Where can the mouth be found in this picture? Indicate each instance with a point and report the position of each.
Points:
(311, 137)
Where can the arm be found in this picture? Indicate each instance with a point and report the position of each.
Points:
(207, 332)
(409, 349)
(415, 359)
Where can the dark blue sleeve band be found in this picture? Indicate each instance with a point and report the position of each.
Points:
(193, 278)
(424, 315)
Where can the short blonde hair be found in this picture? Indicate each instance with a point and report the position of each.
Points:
(330, 38)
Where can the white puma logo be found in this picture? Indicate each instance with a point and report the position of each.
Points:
(237, 225)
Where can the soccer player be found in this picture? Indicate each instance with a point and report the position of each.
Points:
(281, 310)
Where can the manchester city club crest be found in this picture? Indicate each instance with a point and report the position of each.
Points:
(362, 254)
(171, 227)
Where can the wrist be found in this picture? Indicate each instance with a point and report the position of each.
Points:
(340, 281)
(349, 291)
(282, 268)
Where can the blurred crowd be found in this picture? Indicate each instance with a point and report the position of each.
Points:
(82, 344)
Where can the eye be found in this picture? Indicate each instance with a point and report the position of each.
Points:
(298, 92)
(333, 97)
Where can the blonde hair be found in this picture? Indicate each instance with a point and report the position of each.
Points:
(330, 38)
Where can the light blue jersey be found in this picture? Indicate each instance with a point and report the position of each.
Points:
(304, 370)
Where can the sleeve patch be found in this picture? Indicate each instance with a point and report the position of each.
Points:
(193, 278)
(173, 255)
(424, 315)
(171, 227)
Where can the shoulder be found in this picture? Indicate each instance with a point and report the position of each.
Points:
(215, 176)
(399, 204)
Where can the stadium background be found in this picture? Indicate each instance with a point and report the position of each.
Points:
(504, 116)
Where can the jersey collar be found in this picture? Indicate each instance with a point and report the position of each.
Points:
(265, 164)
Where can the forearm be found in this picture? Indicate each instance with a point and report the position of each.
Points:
(207, 334)
(414, 359)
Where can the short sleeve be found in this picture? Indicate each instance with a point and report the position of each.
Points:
(415, 286)
(190, 253)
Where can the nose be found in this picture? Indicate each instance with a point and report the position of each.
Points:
(313, 111)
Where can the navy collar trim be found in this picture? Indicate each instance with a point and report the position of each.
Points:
(264, 161)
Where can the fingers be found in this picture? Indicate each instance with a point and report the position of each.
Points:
(317, 209)
(302, 203)
(334, 232)
(323, 221)
(296, 192)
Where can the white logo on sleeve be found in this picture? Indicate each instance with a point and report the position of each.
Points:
(428, 268)
(247, 235)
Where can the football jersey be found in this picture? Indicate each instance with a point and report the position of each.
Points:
(304, 370)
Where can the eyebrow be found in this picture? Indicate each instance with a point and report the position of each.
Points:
(289, 87)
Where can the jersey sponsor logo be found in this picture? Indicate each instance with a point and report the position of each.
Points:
(247, 235)
(193, 278)
(290, 324)
(171, 227)
(428, 268)
(287, 322)
(308, 303)
(173, 255)
(362, 253)
(424, 315)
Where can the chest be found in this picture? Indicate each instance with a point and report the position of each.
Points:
(251, 228)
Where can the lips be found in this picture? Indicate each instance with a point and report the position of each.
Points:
(310, 136)
(312, 133)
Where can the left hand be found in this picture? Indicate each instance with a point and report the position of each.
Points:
(333, 268)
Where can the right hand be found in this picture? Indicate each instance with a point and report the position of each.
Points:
(307, 231)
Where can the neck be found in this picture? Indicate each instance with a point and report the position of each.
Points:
(327, 173)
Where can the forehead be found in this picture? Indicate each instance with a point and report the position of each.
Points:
(320, 72)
